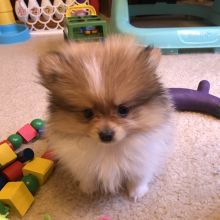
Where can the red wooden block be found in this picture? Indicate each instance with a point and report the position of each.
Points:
(27, 132)
(50, 156)
(7, 142)
(14, 171)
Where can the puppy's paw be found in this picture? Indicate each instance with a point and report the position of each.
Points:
(136, 192)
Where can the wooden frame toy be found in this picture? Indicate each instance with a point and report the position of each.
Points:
(21, 172)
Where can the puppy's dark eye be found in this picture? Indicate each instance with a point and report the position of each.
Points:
(123, 110)
(88, 113)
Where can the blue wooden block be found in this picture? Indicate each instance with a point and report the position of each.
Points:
(3, 181)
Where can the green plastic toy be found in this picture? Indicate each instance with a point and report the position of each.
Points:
(86, 28)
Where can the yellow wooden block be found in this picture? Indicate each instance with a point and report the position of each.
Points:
(39, 167)
(17, 196)
(7, 155)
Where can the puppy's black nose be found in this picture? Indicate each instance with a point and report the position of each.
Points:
(106, 135)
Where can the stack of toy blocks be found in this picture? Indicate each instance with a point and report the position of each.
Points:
(21, 173)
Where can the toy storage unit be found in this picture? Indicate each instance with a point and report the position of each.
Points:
(49, 15)
(170, 40)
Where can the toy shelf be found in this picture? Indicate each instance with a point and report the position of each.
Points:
(171, 39)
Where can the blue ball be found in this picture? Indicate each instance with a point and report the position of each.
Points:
(25, 155)
(3, 181)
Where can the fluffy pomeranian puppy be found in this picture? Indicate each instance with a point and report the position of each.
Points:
(109, 115)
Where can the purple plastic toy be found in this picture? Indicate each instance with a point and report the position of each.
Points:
(196, 100)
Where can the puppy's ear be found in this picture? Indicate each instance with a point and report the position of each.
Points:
(152, 57)
(50, 68)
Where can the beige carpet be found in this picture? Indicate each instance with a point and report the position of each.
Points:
(188, 189)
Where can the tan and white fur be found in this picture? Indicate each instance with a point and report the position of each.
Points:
(110, 116)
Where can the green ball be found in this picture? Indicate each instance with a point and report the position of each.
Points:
(3, 209)
(16, 140)
(37, 123)
(31, 182)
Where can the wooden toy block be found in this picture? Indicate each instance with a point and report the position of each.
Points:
(13, 172)
(50, 156)
(3, 181)
(7, 155)
(27, 132)
(7, 142)
(39, 167)
(17, 196)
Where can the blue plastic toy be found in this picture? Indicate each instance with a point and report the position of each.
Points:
(10, 32)
(169, 39)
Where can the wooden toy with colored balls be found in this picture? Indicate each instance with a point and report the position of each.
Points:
(21, 172)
